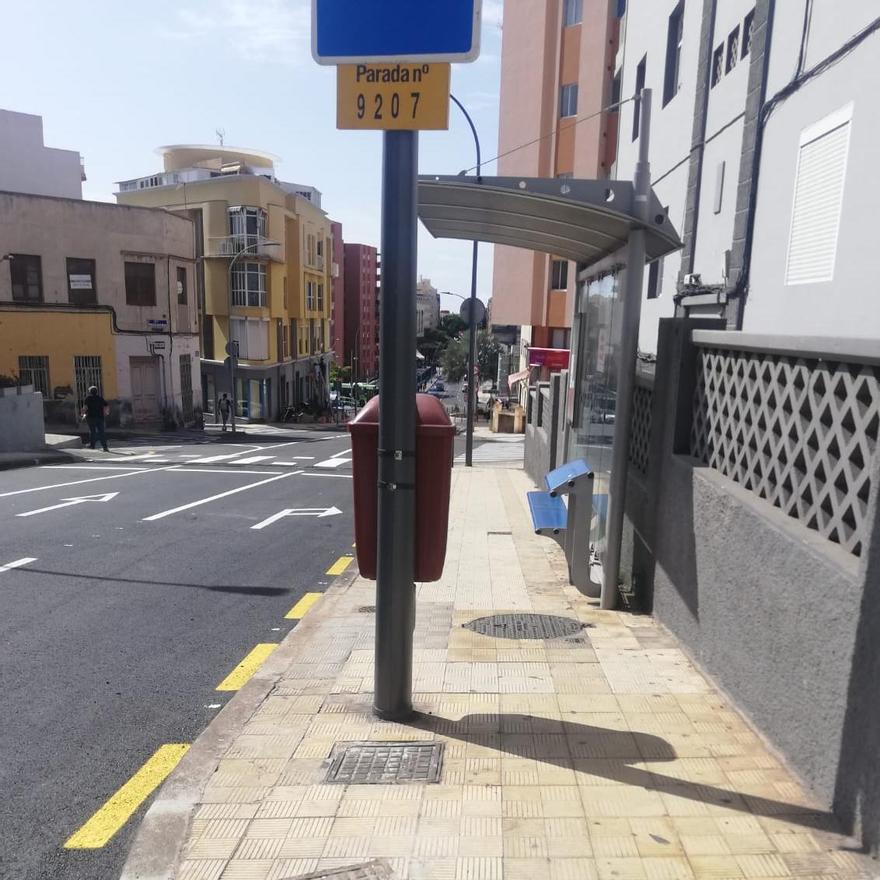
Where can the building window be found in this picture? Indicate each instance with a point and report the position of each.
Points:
(320, 305)
(247, 226)
(655, 278)
(249, 285)
(27, 278)
(87, 372)
(717, 65)
(252, 335)
(748, 33)
(186, 387)
(732, 50)
(719, 187)
(284, 287)
(559, 275)
(674, 32)
(818, 199)
(181, 286)
(641, 73)
(34, 370)
(615, 88)
(559, 337)
(81, 289)
(140, 284)
(568, 100)
(574, 12)
(208, 337)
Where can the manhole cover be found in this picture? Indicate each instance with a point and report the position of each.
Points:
(376, 870)
(525, 626)
(382, 763)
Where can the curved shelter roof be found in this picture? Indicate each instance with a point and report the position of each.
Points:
(581, 220)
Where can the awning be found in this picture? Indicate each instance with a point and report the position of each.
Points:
(581, 220)
(514, 378)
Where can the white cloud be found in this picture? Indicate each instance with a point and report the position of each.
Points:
(274, 31)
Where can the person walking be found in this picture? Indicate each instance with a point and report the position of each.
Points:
(95, 408)
(224, 407)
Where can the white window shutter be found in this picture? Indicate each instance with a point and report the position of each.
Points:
(818, 199)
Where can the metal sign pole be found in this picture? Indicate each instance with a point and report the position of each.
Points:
(629, 345)
(472, 364)
(395, 590)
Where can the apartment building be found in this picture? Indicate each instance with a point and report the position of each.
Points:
(762, 141)
(557, 70)
(29, 166)
(100, 294)
(337, 299)
(427, 306)
(362, 310)
(265, 272)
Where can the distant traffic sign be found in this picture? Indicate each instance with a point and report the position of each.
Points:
(355, 31)
(479, 311)
(409, 97)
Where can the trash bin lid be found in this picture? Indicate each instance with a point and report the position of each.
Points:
(431, 417)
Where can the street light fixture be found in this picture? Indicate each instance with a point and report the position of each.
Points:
(472, 347)
(233, 355)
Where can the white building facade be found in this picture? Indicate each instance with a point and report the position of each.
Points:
(762, 135)
(28, 166)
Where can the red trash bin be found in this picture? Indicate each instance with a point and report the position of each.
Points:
(434, 438)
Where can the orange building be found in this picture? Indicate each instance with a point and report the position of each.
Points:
(557, 67)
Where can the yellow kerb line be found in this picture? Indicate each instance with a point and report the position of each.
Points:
(340, 565)
(242, 673)
(119, 809)
(299, 611)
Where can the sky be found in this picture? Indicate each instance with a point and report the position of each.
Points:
(114, 79)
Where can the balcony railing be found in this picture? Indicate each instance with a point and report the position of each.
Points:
(247, 245)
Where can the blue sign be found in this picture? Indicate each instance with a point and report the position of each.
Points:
(364, 31)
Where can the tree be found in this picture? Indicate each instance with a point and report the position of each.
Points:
(454, 360)
(488, 352)
(453, 325)
(339, 374)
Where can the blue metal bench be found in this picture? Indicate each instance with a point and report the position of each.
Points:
(568, 525)
(549, 515)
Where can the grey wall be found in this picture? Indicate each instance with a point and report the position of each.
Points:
(785, 621)
(21, 421)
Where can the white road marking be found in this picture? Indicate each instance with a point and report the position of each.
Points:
(96, 467)
(319, 512)
(25, 560)
(286, 464)
(253, 459)
(340, 454)
(80, 482)
(217, 497)
(194, 470)
(305, 457)
(210, 459)
(70, 502)
(190, 455)
(338, 476)
(333, 462)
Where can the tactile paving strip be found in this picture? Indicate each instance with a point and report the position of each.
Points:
(385, 763)
(525, 626)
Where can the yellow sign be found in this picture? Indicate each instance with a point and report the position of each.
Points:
(387, 97)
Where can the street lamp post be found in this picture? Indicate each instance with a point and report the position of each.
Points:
(233, 355)
(472, 348)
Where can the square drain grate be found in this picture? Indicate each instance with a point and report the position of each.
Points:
(378, 869)
(385, 763)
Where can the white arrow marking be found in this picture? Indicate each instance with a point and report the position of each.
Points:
(318, 512)
(69, 502)
(27, 560)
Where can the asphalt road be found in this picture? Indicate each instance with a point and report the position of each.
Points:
(115, 635)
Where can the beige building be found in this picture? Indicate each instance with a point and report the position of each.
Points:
(100, 294)
(427, 306)
(264, 251)
(557, 63)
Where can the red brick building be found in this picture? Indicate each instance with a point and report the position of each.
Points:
(361, 310)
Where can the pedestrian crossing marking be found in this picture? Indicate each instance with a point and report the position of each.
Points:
(253, 459)
(98, 830)
(333, 462)
(242, 673)
(299, 611)
(340, 565)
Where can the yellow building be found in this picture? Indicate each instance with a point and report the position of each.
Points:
(264, 258)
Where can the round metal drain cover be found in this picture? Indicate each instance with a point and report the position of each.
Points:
(525, 626)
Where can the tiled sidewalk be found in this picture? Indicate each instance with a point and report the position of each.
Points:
(605, 755)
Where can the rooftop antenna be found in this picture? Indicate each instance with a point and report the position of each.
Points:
(221, 133)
